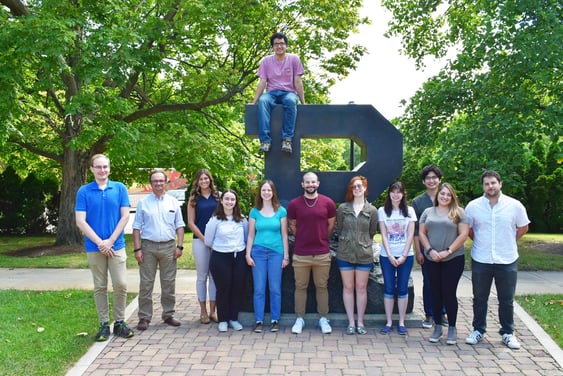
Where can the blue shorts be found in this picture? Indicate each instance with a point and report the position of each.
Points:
(345, 265)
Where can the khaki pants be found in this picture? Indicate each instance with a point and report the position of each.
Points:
(302, 268)
(157, 255)
(116, 265)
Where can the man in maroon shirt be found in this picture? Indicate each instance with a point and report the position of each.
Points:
(312, 218)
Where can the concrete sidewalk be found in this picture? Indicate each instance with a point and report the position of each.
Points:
(197, 349)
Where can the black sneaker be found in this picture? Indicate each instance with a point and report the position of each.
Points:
(275, 326)
(103, 333)
(259, 327)
(121, 329)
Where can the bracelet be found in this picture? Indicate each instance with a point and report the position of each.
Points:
(137, 250)
(286, 259)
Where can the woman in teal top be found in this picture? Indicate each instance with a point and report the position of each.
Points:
(267, 252)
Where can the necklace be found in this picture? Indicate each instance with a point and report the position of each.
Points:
(311, 205)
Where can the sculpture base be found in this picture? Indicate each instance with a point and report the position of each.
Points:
(336, 305)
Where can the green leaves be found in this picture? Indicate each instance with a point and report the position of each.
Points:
(500, 93)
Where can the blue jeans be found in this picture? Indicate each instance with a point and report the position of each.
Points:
(266, 103)
(396, 279)
(505, 276)
(268, 268)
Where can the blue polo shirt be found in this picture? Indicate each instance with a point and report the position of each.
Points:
(103, 210)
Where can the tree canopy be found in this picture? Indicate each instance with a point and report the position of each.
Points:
(150, 83)
(494, 100)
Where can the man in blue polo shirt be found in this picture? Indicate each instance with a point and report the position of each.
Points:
(102, 212)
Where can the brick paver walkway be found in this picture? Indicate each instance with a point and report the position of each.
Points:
(197, 349)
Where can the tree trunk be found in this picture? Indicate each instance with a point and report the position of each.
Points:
(75, 169)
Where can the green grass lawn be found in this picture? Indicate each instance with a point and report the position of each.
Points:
(45, 332)
(75, 260)
(546, 310)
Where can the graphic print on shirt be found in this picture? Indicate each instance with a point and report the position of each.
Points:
(397, 230)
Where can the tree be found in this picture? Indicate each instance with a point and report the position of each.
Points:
(141, 80)
(501, 91)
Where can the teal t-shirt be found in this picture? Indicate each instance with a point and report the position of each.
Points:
(268, 229)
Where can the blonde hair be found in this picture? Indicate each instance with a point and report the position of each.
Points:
(455, 212)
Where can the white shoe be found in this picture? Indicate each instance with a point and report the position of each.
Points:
(474, 338)
(235, 325)
(325, 326)
(510, 341)
(223, 326)
(298, 326)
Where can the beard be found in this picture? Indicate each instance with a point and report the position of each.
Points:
(311, 190)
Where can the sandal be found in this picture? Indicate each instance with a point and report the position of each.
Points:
(386, 329)
(204, 319)
(214, 317)
(350, 330)
(361, 330)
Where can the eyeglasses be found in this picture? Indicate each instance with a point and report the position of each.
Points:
(158, 181)
(280, 44)
(433, 177)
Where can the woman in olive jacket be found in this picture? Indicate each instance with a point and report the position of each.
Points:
(356, 224)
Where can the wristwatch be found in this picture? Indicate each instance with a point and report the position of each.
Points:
(181, 248)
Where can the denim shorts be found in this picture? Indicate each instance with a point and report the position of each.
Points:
(345, 265)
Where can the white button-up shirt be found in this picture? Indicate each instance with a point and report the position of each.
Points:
(158, 218)
(494, 229)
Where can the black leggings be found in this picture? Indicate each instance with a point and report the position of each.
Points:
(229, 273)
(444, 278)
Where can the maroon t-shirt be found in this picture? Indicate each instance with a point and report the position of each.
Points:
(311, 221)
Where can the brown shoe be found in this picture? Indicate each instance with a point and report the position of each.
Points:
(214, 317)
(143, 324)
(172, 321)
(204, 319)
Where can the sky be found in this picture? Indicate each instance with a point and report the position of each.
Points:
(383, 77)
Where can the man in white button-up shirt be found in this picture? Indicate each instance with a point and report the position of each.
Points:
(497, 221)
(158, 235)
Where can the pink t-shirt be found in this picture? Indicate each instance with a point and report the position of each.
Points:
(312, 224)
(279, 74)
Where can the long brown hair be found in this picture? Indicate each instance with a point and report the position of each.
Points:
(195, 191)
(403, 206)
(220, 211)
(259, 201)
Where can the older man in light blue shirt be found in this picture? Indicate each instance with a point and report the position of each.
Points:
(158, 235)
(497, 221)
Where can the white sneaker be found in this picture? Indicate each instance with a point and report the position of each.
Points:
(223, 326)
(235, 325)
(325, 326)
(298, 326)
(510, 341)
(474, 338)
